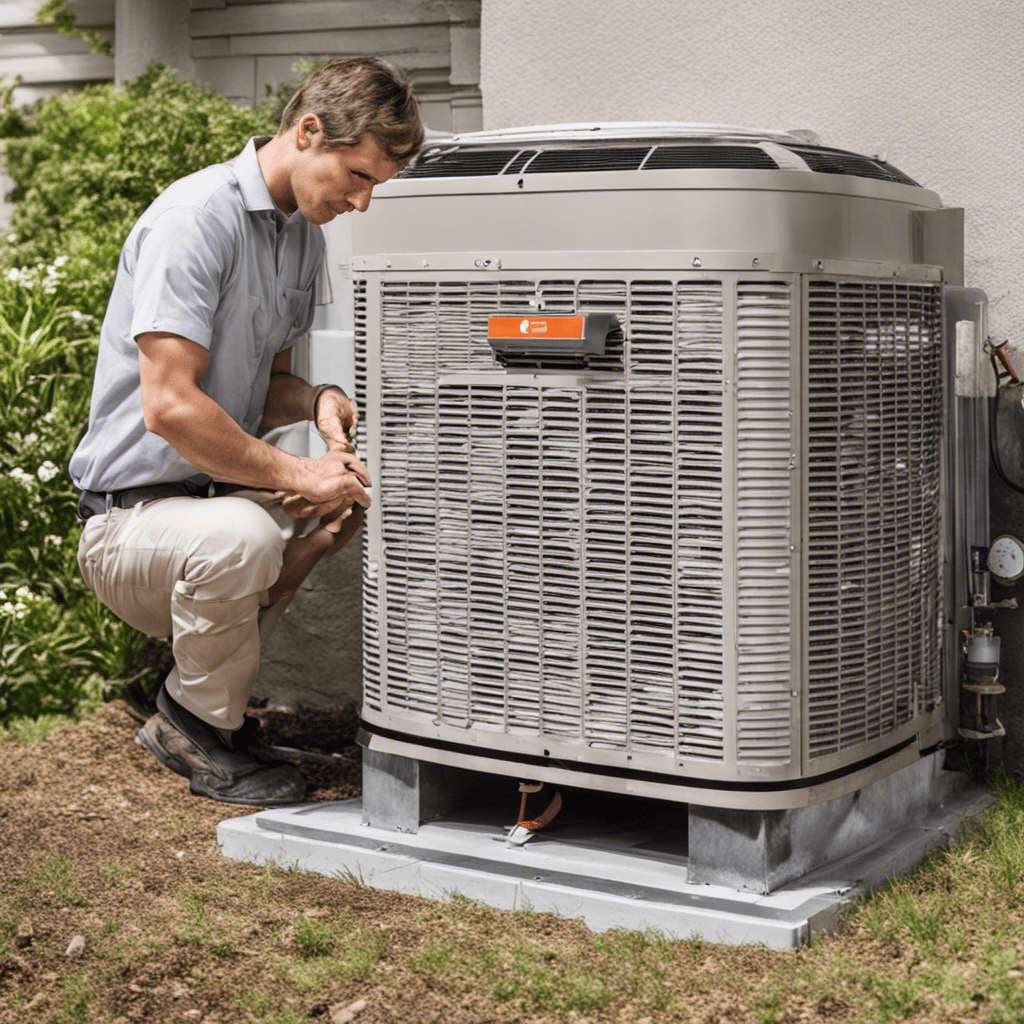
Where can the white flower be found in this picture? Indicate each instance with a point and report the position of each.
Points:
(20, 476)
(52, 539)
(12, 237)
(23, 525)
(7, 608)
(23, 592)
(31, 438)
(79, 318)
(60, 261)
(48, 418)
(12, 275)
(47, 471)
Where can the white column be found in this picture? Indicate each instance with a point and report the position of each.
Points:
(151, 30)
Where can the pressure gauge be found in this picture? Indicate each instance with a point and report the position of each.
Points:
(1006, 559)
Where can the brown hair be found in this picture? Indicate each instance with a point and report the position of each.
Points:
(356, 96)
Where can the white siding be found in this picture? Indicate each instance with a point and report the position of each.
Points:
(46, 61)
(241, 46)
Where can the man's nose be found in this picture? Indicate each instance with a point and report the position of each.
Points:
(360, 198)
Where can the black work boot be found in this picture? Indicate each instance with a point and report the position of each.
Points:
(192, 748)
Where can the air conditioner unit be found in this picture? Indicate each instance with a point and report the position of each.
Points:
(704, 563)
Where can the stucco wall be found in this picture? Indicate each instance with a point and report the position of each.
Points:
(937, 86)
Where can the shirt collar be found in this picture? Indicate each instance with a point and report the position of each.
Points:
(255, 194)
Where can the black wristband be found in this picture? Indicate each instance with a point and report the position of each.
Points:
(321, 388)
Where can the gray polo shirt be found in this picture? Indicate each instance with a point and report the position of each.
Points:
(214, 261)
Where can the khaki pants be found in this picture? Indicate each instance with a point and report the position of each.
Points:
(198, 570)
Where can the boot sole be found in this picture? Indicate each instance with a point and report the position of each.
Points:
(246, 803)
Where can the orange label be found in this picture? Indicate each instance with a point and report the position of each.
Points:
(564, 327)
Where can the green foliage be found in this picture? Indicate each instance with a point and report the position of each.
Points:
(86, 164)
(55, 643)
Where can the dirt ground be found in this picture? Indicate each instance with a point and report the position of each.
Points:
(99, 841)
(107, 840)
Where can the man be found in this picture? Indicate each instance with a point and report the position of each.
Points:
(188, 515)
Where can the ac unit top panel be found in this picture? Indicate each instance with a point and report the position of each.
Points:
(645, 147)
(645, 188)
(752, 215)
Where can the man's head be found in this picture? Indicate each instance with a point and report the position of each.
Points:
(357, 96)
(353, 124)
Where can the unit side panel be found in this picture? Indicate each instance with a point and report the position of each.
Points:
(367, 397)
(873, 497)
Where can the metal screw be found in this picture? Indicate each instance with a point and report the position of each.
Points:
(425, 263)
(755, 262)
(819, 264)
(387, 263)
(696, 261)
(794, 693)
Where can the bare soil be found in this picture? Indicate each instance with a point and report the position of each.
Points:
(98, 840)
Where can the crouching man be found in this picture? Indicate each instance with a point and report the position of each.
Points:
(192, 525)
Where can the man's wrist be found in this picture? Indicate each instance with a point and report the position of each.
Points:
(320, 389)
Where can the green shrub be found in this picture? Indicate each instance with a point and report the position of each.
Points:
(56, 644)
(84, 166)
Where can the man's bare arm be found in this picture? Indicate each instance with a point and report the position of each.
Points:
(291, 400)
(178, 410)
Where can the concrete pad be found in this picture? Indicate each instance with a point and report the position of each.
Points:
(633, 878)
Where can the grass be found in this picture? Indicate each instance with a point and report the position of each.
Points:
(53, 875)
(26, 730)
(200, 930)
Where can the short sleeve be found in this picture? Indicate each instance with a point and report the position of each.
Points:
(181, 260)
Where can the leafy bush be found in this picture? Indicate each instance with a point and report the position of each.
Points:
(84, 165)
(56, 643)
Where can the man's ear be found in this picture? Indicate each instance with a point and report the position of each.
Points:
(308, 129)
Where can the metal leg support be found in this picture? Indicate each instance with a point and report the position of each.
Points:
(760, 851)
(400, 793)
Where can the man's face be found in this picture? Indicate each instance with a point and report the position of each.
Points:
(329, 181)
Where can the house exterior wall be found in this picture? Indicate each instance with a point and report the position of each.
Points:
(46, 61)
(242, 46)
(935, 85)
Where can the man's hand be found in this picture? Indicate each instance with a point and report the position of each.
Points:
(338, 481)
(337, 416)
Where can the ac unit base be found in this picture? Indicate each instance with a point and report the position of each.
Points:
(622, 871)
